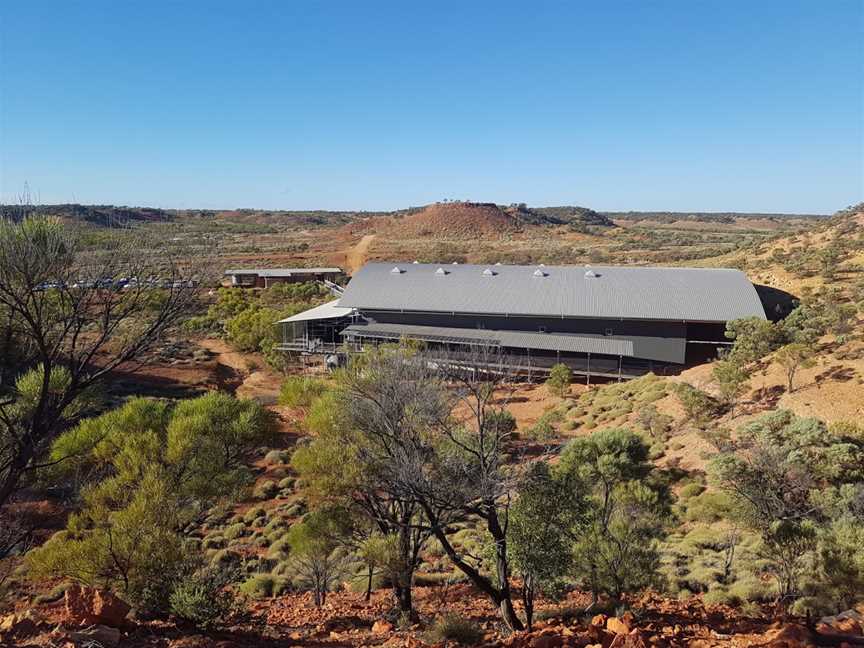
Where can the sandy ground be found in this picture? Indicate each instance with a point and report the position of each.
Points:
(355, 257)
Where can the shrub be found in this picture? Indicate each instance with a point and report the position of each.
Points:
(452, 627)
(225, 559)
(300, 391)
(560, 379)
(287, 483)
(214, 541)
(277, 457)
(266, 490)
(254, 513)
(202, 599)
(234, 531)
(259, 586)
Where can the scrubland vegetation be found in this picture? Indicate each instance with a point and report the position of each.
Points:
(408, 474)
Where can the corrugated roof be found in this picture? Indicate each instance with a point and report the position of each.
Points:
(691, 294)
(330, 310)
(511, 339)
(281, 272)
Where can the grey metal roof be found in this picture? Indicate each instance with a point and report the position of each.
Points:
(511, 339)
(330, 310)
(680, 294)
(281, 272)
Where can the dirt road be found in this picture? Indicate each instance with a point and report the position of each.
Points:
(355, 257)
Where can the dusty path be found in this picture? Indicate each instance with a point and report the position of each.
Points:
(246, 374)
(355, 257)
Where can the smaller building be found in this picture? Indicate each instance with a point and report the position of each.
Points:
(264, 277)
(316, 330)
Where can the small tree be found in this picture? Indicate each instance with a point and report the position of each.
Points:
(560, 379)
(784, 474)
(793, 357)
(148, 471)
(616, 546)
(64, 306)
(315, 553)
(543, 521)
(754, 338)
(732, 379)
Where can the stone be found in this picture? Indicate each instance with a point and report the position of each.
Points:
(382, 627)
(95, 635)
(22, 624)
(87, 606)
(618, 626)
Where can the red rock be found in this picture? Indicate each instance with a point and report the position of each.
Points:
(24, 624)
(599, 620)
(617, 626)
(848, 626)
(546, 641)
(98, 635)
(382, 627)
(88, 606)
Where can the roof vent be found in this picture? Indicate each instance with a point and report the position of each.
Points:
(455, 263)
(591, 273)
(396, 270)
(499, 263)
(542, 265)
(539, 273)
(489, 272)
(441, 272)
(415, 262)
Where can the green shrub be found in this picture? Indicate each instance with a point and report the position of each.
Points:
(300, 391)
(717, 596)
(287, 483)
(214, 541)
(225, 559)
(254, 513)
(452, 627)
(279, 550)
(266, 490)
(202, 599)
(234, 531)
(259, 586)
(560, 379)
(275, 457)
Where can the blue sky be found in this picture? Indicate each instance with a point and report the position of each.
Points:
(693, 105)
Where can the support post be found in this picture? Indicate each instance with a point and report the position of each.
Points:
(588, 372)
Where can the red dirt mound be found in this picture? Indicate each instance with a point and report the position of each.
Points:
(457, 220)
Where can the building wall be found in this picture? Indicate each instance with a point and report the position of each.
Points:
(551, 324)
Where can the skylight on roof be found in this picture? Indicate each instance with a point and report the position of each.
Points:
(489, 272)
(539, 273)
(396, 270)
(441, 272)
(591, 273)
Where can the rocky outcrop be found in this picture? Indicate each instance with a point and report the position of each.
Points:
(87, 606)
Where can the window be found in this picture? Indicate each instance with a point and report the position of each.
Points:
(542, 329)
(608, 332)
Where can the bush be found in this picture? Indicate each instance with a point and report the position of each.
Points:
(277, 457)
(259, 586)
(452, 627)
(266, 490)
(234, 531)
(254, 513)
(202, 599)
(300, 391)
(52, 596)
(214, 541)
(560, 379)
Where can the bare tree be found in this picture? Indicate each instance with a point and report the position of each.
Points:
(469, 476)
(74, 314)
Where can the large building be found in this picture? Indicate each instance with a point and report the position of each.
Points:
(265, 277)
(600, 320)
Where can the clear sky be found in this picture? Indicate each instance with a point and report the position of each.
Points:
(719, 105)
